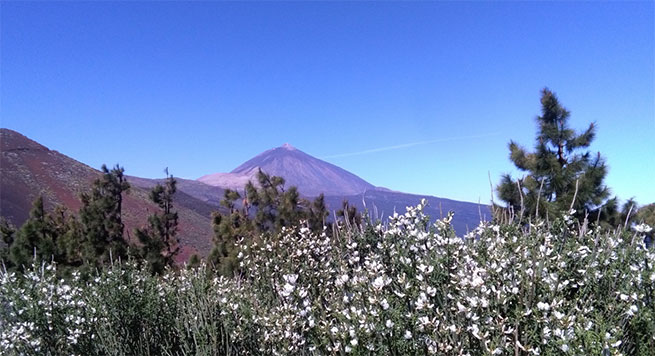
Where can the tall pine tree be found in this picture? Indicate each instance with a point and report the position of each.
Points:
(45, 237)
(349, 215)
(560, 174)
(159, 243)
(228, 229)
(35, 242)
(101, 217)
(7, 235)
(266, 209)
(317, 213)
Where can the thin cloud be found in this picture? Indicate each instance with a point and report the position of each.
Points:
(411, 144)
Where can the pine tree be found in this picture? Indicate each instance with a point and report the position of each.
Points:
(317, 213)
(646, 215)
(66, 232)
(349, 215)
(194, 261)
(36, 239)
(266, 201)
(101, 217)
(51, 237)
(274, 207)
(559, 174)
(159, 243)
(290, 211)
(7, 232)
(634, 215)
(70, 237)
(266, 209)
(228, 229)
(7, 236)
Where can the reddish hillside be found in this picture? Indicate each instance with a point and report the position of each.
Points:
(28, 169)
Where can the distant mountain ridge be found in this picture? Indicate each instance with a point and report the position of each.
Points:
(211, 195)
(381, 204)
(29, 169)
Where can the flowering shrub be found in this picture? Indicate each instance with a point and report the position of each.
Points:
(406, 287)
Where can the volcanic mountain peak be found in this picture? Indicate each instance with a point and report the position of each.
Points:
(311, 175)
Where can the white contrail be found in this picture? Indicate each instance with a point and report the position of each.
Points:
(411, 144)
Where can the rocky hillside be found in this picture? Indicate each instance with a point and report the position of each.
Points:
(29, 169)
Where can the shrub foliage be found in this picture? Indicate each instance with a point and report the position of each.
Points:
(407, 287)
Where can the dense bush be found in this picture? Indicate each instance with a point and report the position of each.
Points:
(407, 287)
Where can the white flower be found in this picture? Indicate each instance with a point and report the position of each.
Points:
(342, 279)
(425, 269)
(287, 289)
(543, 306)
(421, 301)
(643, 228)
(475, 331)
(565, 347)
(477, 281)
(408, 334)
(633, 309)
(290, 278)
(389, 324)
(535, 351)
(378, 283)
(384, 304)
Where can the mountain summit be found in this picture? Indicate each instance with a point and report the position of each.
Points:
(311, 175)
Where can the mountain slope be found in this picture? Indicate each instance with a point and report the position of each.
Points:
(310, 175)
(210, 195)
(29, 169)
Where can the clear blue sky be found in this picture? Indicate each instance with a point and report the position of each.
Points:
(200, 87)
